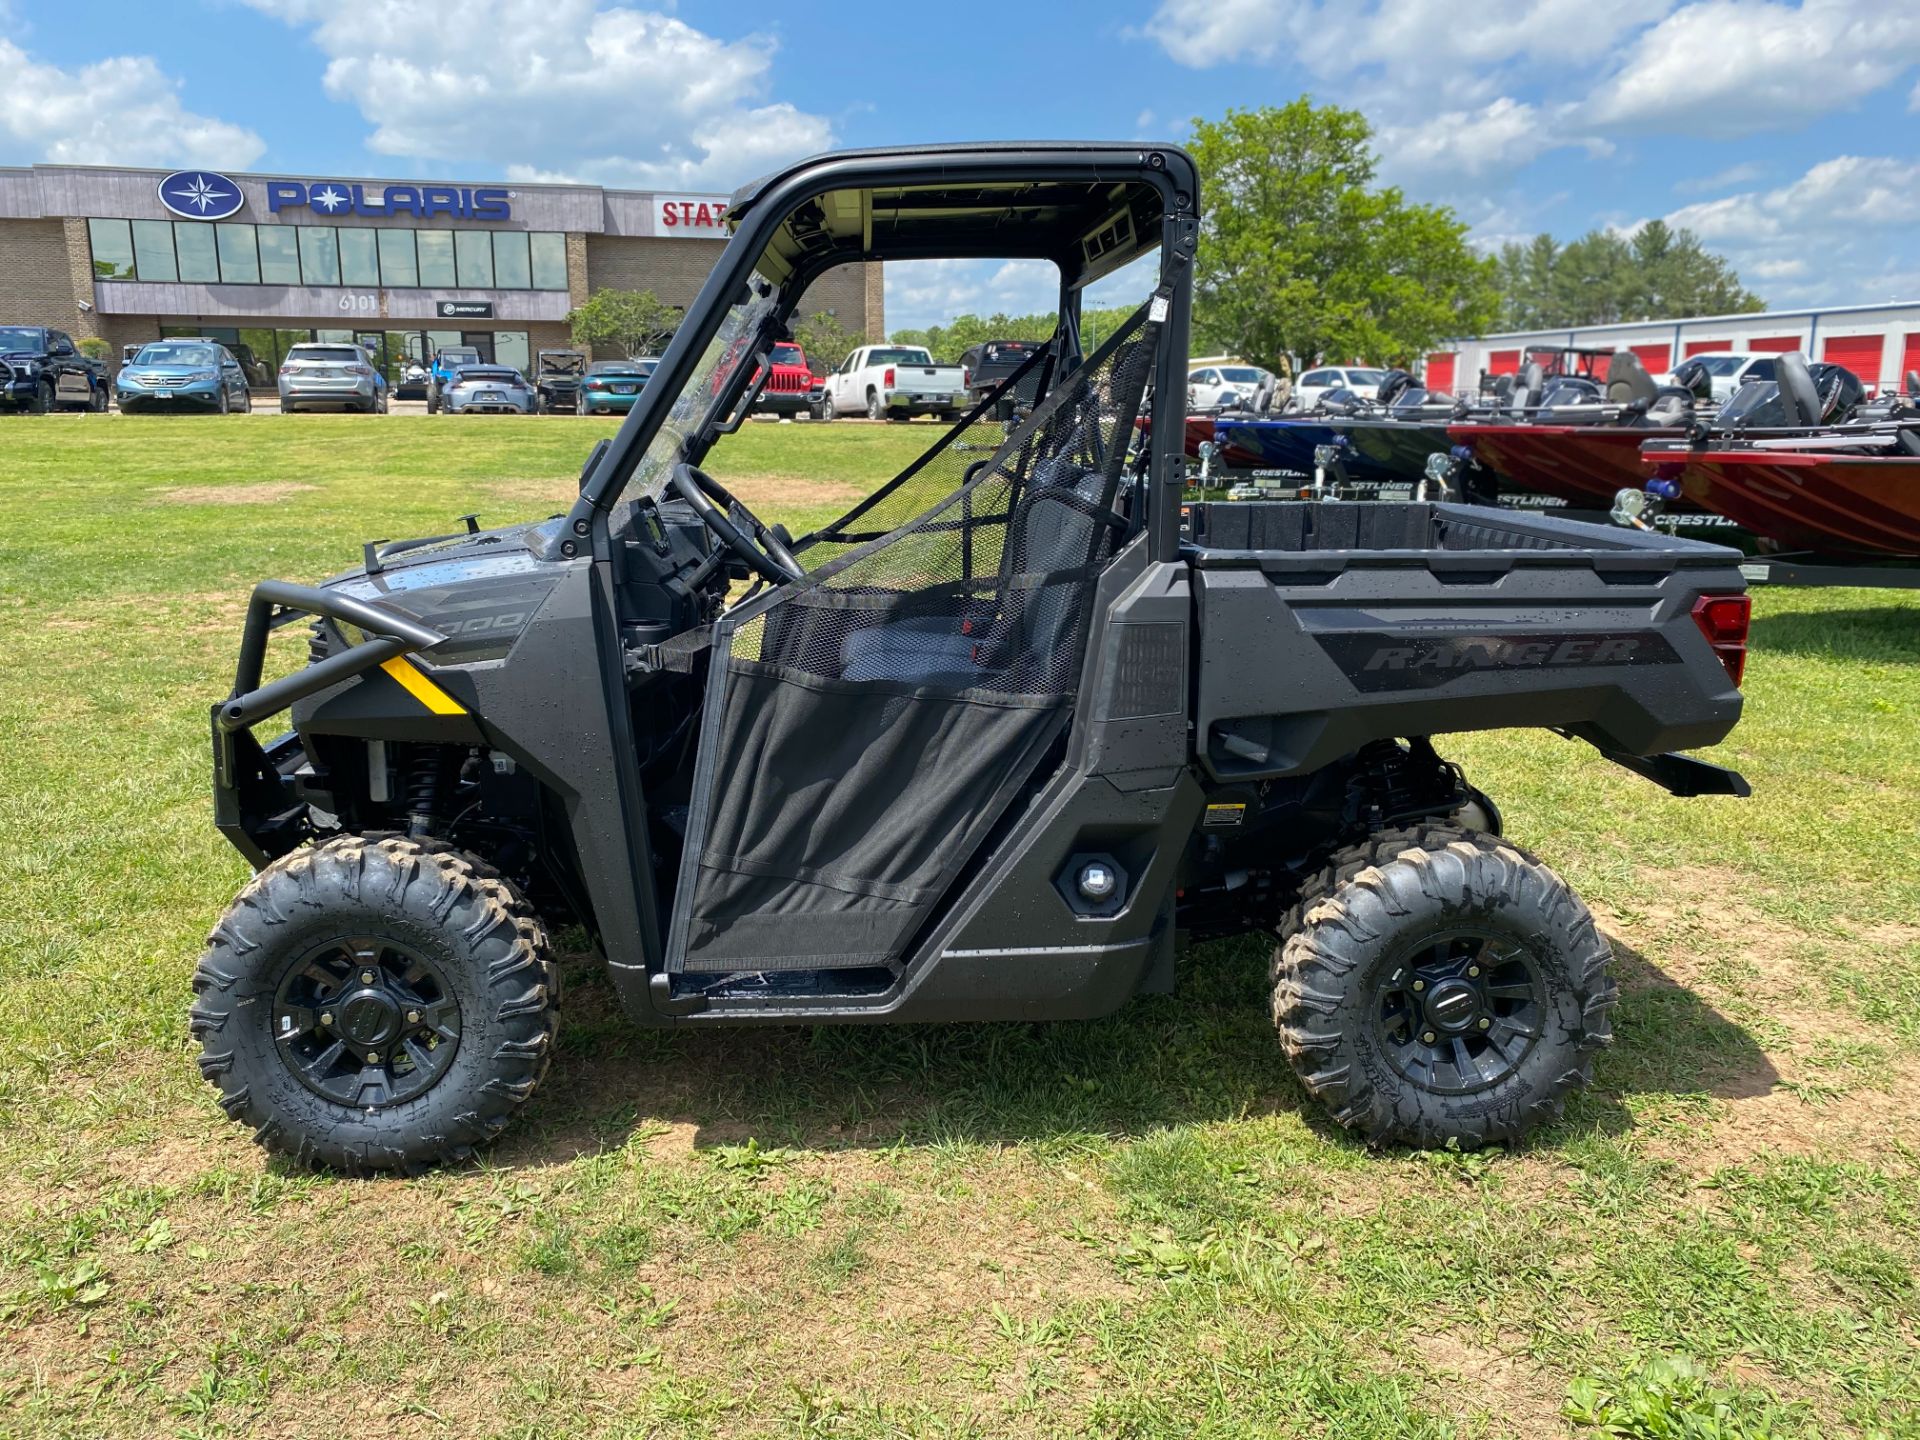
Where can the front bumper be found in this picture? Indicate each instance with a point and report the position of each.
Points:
(201, 393)
(782, 402)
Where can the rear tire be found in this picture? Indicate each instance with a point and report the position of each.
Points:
(875, 410)
(459, 963)
(1441, 987)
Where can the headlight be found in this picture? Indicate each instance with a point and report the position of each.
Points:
(204, 375)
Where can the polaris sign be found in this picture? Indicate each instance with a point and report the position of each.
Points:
(424, 202)
(200, 195)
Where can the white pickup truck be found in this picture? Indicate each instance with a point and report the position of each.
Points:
(893, 382)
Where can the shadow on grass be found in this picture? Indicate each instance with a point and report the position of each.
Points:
(1887, 634)
(1206, 1053)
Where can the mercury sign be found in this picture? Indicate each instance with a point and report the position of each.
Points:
(335, 197)
(702, 215)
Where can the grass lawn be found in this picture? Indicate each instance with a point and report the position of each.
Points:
(1136, 1227)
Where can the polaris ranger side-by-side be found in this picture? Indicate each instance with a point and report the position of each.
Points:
(990, 746)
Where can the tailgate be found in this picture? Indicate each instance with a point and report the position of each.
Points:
(1324, 626)
(926, 379)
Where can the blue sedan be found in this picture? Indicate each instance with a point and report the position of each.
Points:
(182, 375)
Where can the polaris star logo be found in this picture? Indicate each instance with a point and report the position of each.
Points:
(200, 195)
(1376, 661)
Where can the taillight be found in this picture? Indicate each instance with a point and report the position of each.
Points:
(1724, 619)
(596, 384)
(286, 369)
(966, 377)
(361, 369)
(887, 379)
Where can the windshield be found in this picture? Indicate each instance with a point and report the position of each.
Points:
(565, 362)
(898, 355)
(1365, 377)
(730, 349)
(1721, 364)
(177, 355)
(788, 355)
(19, 337)
(450, 356)
(1241, 375)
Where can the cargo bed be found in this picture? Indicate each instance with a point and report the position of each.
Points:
(1323, 626)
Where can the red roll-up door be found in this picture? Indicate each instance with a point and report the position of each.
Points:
(1657, 358)
(1702, 347)
(1503, 362)
(1776, 344)
(1440, 370)
(1859, 353)
(1909, 357)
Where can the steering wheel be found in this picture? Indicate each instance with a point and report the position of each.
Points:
(727, 518)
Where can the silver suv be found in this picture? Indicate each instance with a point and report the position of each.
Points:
(322, 373)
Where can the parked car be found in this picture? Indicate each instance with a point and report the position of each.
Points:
(489, 390)
(984, 366)
(1224, 387)
(447, 362)
(789, 380)
(1364, 383)
(611, 386)
(1730, 369)
(318, 373)
(556, 378)
(893, 382)
(44, 370)
(183, 375)
(413, 381)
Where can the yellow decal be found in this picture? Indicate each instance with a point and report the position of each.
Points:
(421, 688)
(1225, 814)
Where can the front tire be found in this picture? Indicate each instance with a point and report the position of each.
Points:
(1441, 987)
(376, 1003)
(42, 401)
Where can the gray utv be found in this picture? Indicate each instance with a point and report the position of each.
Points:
(994, 745)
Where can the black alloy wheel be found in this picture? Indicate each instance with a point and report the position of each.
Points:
(366, 1021)
(1460, 1011)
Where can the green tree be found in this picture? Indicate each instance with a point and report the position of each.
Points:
(94, 348)
(1606, 277)
(635, 322)
(1302, 256)
(825, 340)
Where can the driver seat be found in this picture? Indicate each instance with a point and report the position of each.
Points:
(1054, 526)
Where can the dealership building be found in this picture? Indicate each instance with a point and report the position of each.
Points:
(401, 267)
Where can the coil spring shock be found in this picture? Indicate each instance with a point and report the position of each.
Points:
(428, 778)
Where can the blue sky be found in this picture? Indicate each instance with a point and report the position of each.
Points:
(1776, 130)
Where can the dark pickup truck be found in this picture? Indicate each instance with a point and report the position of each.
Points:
(987, 364)
(992, 745)
(41, 369)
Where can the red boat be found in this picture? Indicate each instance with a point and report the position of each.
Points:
(1832, 504)
(1585, 465)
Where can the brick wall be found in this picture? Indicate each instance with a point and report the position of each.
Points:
(36, 284)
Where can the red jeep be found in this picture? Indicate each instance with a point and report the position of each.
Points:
(787, 386)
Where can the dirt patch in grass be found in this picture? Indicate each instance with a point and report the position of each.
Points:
(767, 495)
(1498, 1382)
(265, 492)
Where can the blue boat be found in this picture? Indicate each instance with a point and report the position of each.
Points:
(1288, 446)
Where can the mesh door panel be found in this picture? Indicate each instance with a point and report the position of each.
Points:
(866, 725)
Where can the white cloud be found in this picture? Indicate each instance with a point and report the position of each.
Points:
(921, 293)
(559, 87)
(1829, 237)
(1725, 68)
(1743, 174)
(120, 111)
(1495, 139)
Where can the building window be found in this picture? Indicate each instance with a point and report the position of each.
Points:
(475, 251)
(511, 268)
(549, 261)
(319, 255)
(359, 259)
(199, 261)
(239, 257)
(279, 255)
(436, 258)
(397, 263)
(153, 250)
(510, 348)
(112, 249)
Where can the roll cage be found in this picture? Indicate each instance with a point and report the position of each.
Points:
(1088, 208)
